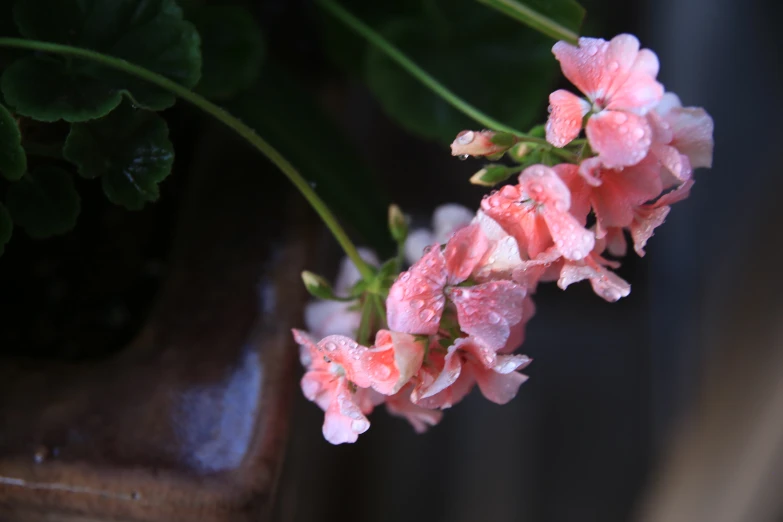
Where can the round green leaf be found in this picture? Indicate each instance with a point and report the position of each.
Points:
(6, 228)
(44, 202)
(46, 90)
(128, 149)
(148, 33)
(13, 160)
(480, 55)
(232, 49)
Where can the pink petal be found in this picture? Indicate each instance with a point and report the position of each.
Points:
(645, 224)
(565, 118)
(544, 186)
(693, 129)
(420, 418)
(349, 354)
(475, 143)
(446, 373)
(571, 239)
(621, 191)
(508, 363)
(521, 221)
(605, 283)
(620, 138)
(531, 272)
(451, 395)
(488, 310)
(416, 300)
(678, 165)
(615, 242)
(638, 91)
(584, 66)
(394, 359)
(498, 387)
(344, 421)
(463, 252)
(579, 189)
(500, 261)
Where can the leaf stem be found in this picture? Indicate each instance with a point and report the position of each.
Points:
(420, 74)
(221, 115)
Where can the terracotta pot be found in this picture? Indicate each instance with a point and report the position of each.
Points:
(189, 421)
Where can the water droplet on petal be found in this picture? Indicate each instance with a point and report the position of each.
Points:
(465, 137)
(493, 317)
(330, 346)
(463, 157)
(638, 133)
(426, 315)
(613, 66)
(417, 303)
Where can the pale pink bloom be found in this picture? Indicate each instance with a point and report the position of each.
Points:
(418, 297)
(476, 143)
(325, 384)
(605, 283)
(466, 362)
(536, 213)
(619, 193)
(420, 418)
(323, 317)
(619, 81)
(446, 220)
(682, 136)
(385, 367)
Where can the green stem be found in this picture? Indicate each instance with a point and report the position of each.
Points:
(534, 19)
(438, 88)
(221, 115)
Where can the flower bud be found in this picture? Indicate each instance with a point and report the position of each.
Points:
(491, 175)
(398, 225)
(482, 143)
(318, 286)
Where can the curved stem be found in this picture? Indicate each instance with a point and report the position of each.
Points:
(221, 115)
(420, 74)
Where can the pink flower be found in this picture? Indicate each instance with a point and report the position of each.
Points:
(420, 418)
(324, 318)
(682, 137)
(386, 367)
(606, 284)
(476, 143)
(325, 384)
(536, 214)
(617, 195)
(619, 81)
(446, 220)
(418, 297)
(467, 362)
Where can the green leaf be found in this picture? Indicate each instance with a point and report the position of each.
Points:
(559, 19)
(232, 49)
(148, 33)
(478, 54)
(44, 202)
(13, 160)
(6, 228)
(129, 150)
(285, 115)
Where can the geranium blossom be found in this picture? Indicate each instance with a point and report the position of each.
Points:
(417, 299)
(536, 213)
(446, 220)
(619, 81)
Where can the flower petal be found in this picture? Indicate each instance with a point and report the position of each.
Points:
(489, 310)
(394, 359)
(344, 421)
(420, 418)
(463, 253)
(565, 118)
(331, 318)
(638, 90)
(416, 300)
(620, 138)
(522, 222)
(572, 240)
(497, 387)
(446, 372)
(693, 129)
(605, 283)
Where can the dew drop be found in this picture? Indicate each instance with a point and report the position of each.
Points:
(620, 118)
(330, 346)
(493, 317)
(613, 66)
(381, 371)
(463, 157)
(465, 138)
(638, 133)
(417, 303)
(426, 315)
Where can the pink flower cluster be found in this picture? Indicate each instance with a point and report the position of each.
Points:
(454, 319)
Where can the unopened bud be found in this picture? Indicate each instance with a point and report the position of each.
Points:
(317, 286)
(398, 225)
(481, 143)
(491, 175)
(519, 151)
